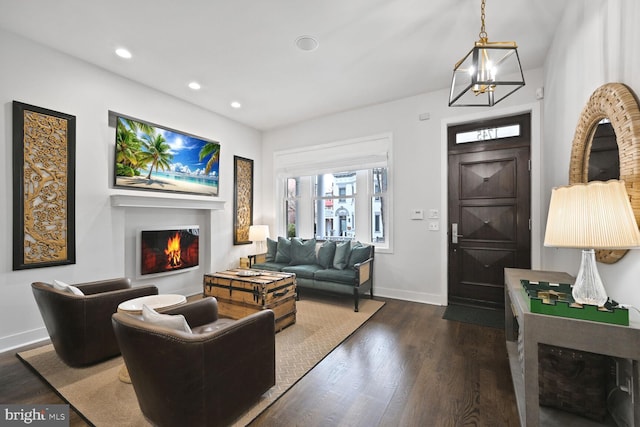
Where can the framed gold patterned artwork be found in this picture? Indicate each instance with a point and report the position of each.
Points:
(242, 199)
(43, 187)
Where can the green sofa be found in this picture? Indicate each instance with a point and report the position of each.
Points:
(335, 267)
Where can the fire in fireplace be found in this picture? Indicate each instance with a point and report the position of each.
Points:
(169, 250)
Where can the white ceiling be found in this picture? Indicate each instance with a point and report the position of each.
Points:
(370, 51)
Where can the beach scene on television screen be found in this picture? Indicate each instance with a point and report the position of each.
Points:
(153, 158)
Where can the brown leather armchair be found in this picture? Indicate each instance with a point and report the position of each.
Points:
(80, 325)
(205, 378)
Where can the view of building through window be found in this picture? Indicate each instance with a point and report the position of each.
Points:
(338, 202)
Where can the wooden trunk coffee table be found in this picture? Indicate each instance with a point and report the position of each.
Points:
(241, 292)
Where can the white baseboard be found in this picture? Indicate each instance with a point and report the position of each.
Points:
(421, 297)
(11, 342)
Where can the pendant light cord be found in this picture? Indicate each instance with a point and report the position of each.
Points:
(483, 33)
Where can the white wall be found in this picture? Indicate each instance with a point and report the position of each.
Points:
(598, 43)
(416, 269)
(105, 241)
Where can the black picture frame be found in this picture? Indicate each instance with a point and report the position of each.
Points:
(242, 199)
(44, 170)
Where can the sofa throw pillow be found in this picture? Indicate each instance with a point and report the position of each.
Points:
(283, 254)
(326, 253)
(342, 255)
(176, 321)
(272, 249)
(303, 252)
(61, 286)
(358, 254)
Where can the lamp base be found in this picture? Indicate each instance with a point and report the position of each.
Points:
(588, 287)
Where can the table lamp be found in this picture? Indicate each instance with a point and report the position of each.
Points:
(596, 215)
(259, 234)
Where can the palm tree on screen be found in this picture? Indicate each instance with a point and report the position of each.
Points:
(211, 148)
(157, 152)
(129, 157)
(127, 151)
(136, 126)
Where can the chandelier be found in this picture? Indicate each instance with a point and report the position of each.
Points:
(490, 72)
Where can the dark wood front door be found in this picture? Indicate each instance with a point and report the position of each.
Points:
(489, 207)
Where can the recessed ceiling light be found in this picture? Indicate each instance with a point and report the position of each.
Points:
(236, 104)
(307, 43)
(123, 53)
(195, 85)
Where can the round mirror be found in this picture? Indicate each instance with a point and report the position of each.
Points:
(615, 103)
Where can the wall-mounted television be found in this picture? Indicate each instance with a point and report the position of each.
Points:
(156, 158)
(168, 250)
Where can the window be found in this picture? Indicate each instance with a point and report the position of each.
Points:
(338, 191)
(342, 191)
(379, 185)
(334, 217)
(339, 209)
(292, 205)
(487, 134)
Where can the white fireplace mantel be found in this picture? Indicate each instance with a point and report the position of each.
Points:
(177, 201)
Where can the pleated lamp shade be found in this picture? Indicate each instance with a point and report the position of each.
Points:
(596, 215)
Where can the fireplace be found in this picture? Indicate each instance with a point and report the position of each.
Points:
(168, 250)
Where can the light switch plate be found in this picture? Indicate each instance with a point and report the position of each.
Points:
(417, 214)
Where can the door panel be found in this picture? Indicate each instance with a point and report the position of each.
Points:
(489, 202)
(489, 179)
(481, 278)
(495, 223)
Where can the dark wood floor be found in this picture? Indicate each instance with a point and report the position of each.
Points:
(405, 367)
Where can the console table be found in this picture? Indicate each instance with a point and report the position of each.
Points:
(594, 337)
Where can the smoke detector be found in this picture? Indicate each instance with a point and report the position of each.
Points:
(307, 43)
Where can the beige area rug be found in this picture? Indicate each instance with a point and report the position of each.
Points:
(97, 394)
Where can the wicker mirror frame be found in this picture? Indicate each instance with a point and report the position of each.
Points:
(616, 102)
